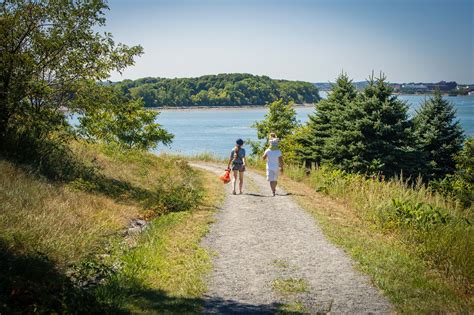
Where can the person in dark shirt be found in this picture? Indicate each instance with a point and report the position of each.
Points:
(237, 160)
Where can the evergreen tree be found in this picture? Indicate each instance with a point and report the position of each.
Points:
(464, 184)
(438, 135)
(327, 119)
(374, 134)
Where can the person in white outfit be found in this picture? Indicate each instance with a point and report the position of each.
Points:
(274, 159)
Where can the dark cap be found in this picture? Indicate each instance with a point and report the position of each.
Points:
(239, 142)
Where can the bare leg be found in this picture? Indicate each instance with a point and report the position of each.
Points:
(273, 186)
(236, 174)
(241, 181)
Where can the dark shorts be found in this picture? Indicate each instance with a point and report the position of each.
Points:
(238, 167)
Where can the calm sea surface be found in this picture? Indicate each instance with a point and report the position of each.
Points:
(215, 130)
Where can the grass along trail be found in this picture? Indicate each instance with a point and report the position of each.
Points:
(270, 256)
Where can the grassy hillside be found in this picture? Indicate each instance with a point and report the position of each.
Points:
(64, 244)
(416, 245)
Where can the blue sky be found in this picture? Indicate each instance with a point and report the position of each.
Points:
(409, 40)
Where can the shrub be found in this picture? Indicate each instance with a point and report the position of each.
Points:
(418, 215)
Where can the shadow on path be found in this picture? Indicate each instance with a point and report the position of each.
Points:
(31, 283)
(278, 194)
(221, 306)
(257, 195)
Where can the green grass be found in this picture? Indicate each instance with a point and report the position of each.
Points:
(296, 307)
(62, 241)
(164, 271)
(281, 264)
(421, 267)
(290, 286)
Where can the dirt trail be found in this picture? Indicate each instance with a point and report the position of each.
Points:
(270, 255)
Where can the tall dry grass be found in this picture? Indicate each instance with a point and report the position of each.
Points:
(435, 228)
(65, 224)
(55, 233)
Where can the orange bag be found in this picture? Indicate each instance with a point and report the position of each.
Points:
(225, 178)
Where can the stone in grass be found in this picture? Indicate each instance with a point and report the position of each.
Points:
(137, 226)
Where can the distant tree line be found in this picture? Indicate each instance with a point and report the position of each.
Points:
(218, 90)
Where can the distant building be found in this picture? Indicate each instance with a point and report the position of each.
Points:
(443, 86)
(414, 86)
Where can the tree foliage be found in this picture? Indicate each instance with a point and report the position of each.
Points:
(439, 136)
(363, 132)
(329, 118)
(218, 90)
(281, 120)
(461, 183)
(122, 121)
(47, 50)
(376, 133)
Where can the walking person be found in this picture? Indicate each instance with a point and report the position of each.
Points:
(237, 160)
(274, 159)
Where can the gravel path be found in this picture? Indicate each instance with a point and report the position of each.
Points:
(270, 254)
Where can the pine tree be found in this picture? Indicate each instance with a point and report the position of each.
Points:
(438, 136)
(325, 121)
(375, 133)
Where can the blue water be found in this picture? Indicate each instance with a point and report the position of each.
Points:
(215, 130)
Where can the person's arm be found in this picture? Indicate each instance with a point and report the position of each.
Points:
(280, 161)
(264, 156)
(231, 158)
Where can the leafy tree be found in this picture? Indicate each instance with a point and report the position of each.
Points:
(47, 49)
(280, 119)
(122, 121)
(328, 118)
(439, 136)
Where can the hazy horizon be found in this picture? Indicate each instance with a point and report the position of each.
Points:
(410, 41)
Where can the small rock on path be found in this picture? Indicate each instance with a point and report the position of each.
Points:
(259, 239)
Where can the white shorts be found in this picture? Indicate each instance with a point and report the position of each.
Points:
(272, 175)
